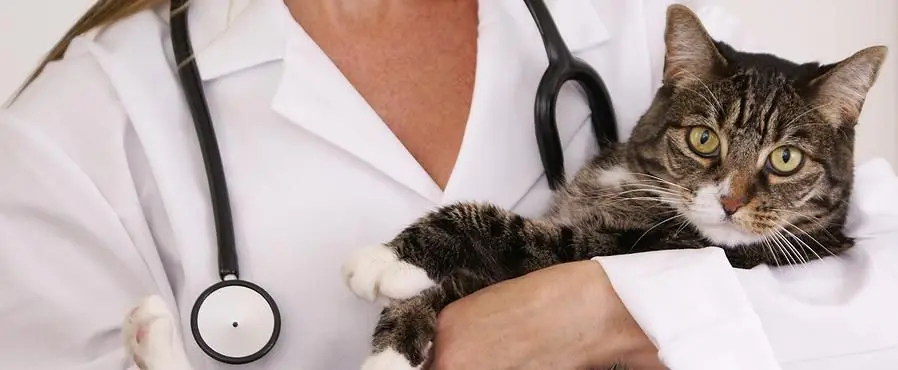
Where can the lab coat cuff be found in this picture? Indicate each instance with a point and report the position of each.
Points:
(691, 305)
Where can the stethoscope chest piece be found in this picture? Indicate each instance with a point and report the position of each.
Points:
(235, 321)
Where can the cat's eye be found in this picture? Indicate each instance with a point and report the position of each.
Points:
(703, 141)
(785, 160)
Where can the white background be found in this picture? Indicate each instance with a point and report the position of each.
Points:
(824, 30)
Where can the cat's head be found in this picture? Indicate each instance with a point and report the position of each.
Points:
(750, 144)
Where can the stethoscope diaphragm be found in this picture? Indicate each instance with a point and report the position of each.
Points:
(235, 321)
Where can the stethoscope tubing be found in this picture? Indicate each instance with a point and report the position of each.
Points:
(215, 174)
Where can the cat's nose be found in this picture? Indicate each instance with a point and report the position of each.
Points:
(731, 204)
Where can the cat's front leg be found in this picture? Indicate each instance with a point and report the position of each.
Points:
(444, 256)
(152, 338)
(378, 273)
(478, 238)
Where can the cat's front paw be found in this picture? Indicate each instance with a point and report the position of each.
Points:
(375, 273)
(151, 337)
(388, 359)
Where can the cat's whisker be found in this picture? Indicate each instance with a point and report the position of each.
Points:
(653, 227)
(775, 242)
(770, 249)
(646, 186)
(611, 195)
(779, 227)
(694, 77)
(823, 227)
(806, 112)
(782, 243)
(683, 225)
(810, 218)
(806, 246)
(700, 95)
(621, 196)
(839, 129)
(657, 193)
(648, 190)
(664, 201)
(795, 252)
(811, 124)
(661, 198)
(653, 177)
(811, 237)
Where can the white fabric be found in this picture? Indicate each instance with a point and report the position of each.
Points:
(830, 314)
(103, 197)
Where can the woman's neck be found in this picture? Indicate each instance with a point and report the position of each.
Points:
(387, 48)
(347, 12)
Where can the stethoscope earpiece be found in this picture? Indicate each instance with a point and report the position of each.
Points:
(235, 321)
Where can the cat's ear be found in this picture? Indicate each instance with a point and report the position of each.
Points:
(839, 93)
(690, 52)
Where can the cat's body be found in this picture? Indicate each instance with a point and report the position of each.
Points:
(610, 208)
(746, 152)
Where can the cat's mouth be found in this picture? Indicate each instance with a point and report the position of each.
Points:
(707, 215)
(725, 232)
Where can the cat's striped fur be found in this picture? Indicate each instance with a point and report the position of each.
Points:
(657, 191)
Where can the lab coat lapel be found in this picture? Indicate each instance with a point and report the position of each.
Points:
(312, 92)
(314, 95)
(499, 159)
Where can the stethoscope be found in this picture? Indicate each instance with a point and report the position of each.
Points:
(236, 321)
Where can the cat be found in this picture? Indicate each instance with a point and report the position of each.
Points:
(747, 152)
(743, 151)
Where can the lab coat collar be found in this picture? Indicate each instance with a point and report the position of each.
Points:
(578, 21)
(314, 95)
(229, 36)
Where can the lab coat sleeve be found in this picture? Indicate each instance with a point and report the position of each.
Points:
(70, 227)
(838, 312)
(702, 314)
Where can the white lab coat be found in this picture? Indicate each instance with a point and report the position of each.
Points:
(103, 197)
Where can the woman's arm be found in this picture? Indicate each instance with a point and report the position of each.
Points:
(75, 251)
(562, 317)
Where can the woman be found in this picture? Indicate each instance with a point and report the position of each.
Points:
(340, 123)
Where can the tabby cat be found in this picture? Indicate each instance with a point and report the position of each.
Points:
(747, 152)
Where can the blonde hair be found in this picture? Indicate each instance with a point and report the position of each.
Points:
(103, 13)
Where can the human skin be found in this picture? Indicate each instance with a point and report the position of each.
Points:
(562, 317)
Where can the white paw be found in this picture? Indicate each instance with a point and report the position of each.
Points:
(388, 360)
(151, 337)
(375, 273)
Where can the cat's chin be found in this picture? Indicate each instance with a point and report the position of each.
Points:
(727, 234)
(706, 214)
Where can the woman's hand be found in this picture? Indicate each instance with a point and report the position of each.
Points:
(563, 317)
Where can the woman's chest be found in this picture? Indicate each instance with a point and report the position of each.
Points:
(414, 65)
